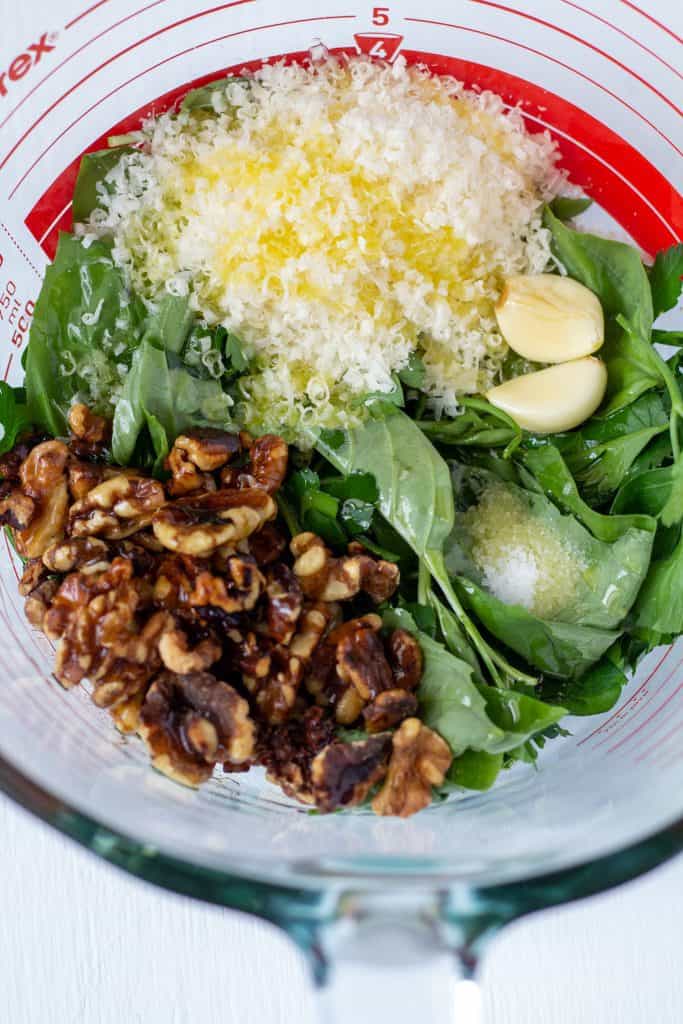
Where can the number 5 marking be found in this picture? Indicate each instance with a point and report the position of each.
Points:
(380, 16)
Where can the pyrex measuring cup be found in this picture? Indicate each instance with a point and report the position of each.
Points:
(420, 896)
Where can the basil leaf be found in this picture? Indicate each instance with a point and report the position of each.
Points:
(14, 417)
(518, 715)
(450, 703)
(474, 769)
(612, 270)
(210, 97)
(166, 401)
(550, 471)
(413, 481)
(94, 168)
(558, 648)
(85, 327)
(566, 207)
(665, 278)
(593, 694)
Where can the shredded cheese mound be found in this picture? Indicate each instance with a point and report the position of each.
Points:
(522, 560)
(338, 217)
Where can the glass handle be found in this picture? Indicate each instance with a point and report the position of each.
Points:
(393, 967)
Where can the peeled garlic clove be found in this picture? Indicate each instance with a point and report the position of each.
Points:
(550, 401)
(550, 319)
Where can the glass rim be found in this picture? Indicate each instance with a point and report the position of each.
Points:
(531, 891)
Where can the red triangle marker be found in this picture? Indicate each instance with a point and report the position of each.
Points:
(383, 45)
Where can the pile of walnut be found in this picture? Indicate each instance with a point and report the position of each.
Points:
(200, 631)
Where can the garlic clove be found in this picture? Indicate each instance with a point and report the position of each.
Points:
(550, 401)
(550, 319)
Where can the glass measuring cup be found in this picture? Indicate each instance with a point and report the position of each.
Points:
(423, 895)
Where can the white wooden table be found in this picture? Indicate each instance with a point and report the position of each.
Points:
(82, 943)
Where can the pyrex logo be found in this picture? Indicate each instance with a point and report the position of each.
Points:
(23, 62)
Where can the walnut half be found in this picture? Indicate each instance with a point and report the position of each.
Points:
(419, 761)
(191, 722)
(326, 578)
(343, 774)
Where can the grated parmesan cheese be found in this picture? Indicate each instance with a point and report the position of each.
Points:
(522, 560)
(337, 217)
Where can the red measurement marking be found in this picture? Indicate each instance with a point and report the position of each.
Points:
(9, 363)
(636, 198)
(657, 747)
(615, 28)
(618, 713)
(654, 714)
(79, 17)
(141, 74)
(582, 42)
(20, 250)
(646, 700)
(659, 24)
(114, 57)
(80, 49)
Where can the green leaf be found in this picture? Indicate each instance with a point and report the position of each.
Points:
(454, 636)
(630, 372)
(356, 516)
(234, 353)
(672, 511)
(413, 481)
(601, 452)
(594, 693)
(474, 769)
(332, 439)
(550, 470)
(423, 616)
(166, 401)
(566, 207)
(301, 482)
(85, 325)
(612, 270)
(646, 493)
(210, 97)
(665, 278)
(413, 375)
(673, 338)
(14, 417)
(93, 170)
(361, 486)
(561, 649)
(479, 425)
(609, 574)
(518, 715)
(659, 608)
(450, 703)
(170, 322)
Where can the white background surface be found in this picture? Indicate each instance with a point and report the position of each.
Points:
(82, 943)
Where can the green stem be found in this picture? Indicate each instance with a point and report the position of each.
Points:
(424, 580)
(673, 432)
(493, 660)
(289, 515)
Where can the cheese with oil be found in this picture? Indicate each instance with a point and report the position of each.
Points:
(337, 217)
(522, 560)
